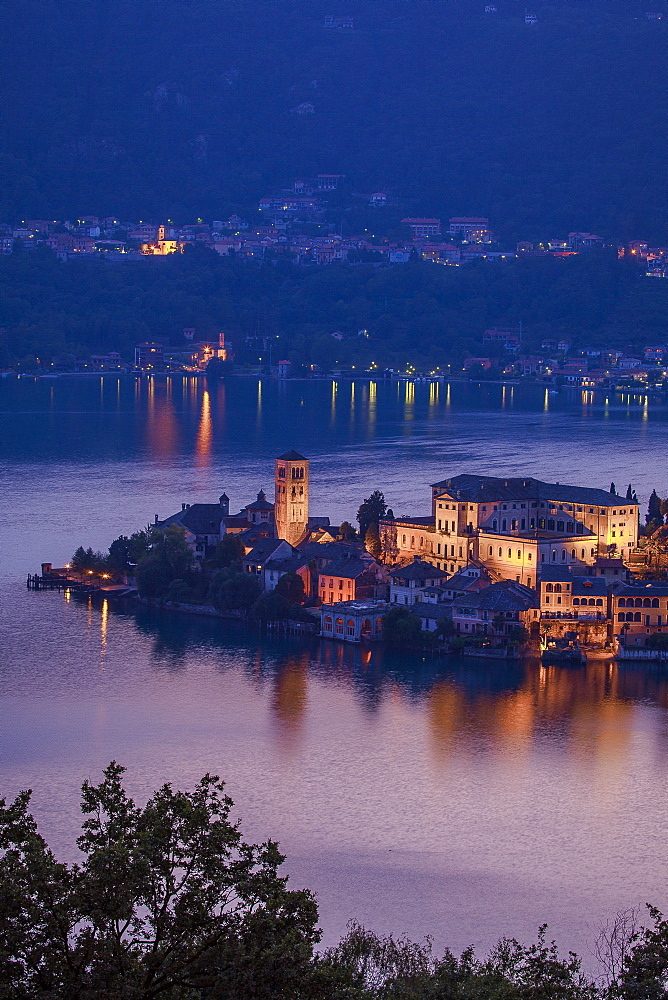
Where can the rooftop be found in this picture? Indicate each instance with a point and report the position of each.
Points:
(478, 489)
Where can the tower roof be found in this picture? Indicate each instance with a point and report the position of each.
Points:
(291, 456)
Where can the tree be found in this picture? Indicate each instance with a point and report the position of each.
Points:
(125, 553)
(402, 628)
(229, 552)
(168, 901)
(87, 561)
(169, 558)
(271, 607)
(613, 489)
(645, 972)
(232, 590)
(654, 509)
(291, 587)
(629, 492)
(372, 541)
(371, 511)
(400, 969)
(347, 531)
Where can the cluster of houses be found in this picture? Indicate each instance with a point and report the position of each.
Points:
(492, 557)
(589, 368)
(292, 223)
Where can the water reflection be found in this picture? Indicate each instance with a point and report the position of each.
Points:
(205, 431)
(505, 710)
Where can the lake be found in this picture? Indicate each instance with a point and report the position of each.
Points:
(426, 796)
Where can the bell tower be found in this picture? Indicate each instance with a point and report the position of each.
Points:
(291, 496)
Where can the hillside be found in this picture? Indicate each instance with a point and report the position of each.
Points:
(418, 314)
(184, 109)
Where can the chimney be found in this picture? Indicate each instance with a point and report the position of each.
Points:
(156, 518)
(183, 506)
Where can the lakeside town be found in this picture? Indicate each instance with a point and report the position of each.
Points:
(491, 567)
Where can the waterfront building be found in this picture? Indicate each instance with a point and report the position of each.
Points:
(291, 500)
(514, 527)
(497, 610)
(565, 595)
(639, 610)
(149, 356)
(352, 621)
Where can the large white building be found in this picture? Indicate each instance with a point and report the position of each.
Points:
(514, 527)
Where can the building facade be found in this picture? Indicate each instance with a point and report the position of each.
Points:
(291, 502)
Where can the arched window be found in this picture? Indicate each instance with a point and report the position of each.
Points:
(510, 553)
(403, 540)
(366, 627)
(519, 553)
(647, 603)
(637, 617)
(504, 524)
(549, 588)
(572, 553)
(350, 627)
(622, 602)
(621, 617)
(592, 601)
(593, 552)
(560, 525)
(576, 600)
(500, 552)
(495, 525)
(491, 550)
(557, 588)
(563, 555)
(599, 602)
(339, 626)
(655, 602)
(328, 623)
(638, 602)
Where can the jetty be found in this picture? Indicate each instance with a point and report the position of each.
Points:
(64, 579)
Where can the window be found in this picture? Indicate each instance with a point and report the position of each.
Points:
(549, 588)
(339, 626)
(491, 550)
(350, 627)
(519, 553)
(328, 618)
(655, 602)
(560, 525)
(599, 602)
(576, 600)
(563, 555)
(621, 617)
(557, 588)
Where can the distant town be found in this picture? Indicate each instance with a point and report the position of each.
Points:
(297, 224)
(490, 567)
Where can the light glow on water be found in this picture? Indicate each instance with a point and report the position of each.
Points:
(417, 795)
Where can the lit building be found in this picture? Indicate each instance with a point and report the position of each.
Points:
(149, 356)
(470, 229)
(291, 496)
(163, 245)
(514, 527)
(639, 610)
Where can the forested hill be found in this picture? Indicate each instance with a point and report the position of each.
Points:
(187, 108)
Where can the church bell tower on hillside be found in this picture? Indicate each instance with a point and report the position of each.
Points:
(291, 497)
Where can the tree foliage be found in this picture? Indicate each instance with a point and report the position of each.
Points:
(232, 590)
(371, 511)
(168, 901)
(291, 586)
(402, 628)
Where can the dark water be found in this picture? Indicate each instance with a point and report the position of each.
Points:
(440, 797)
